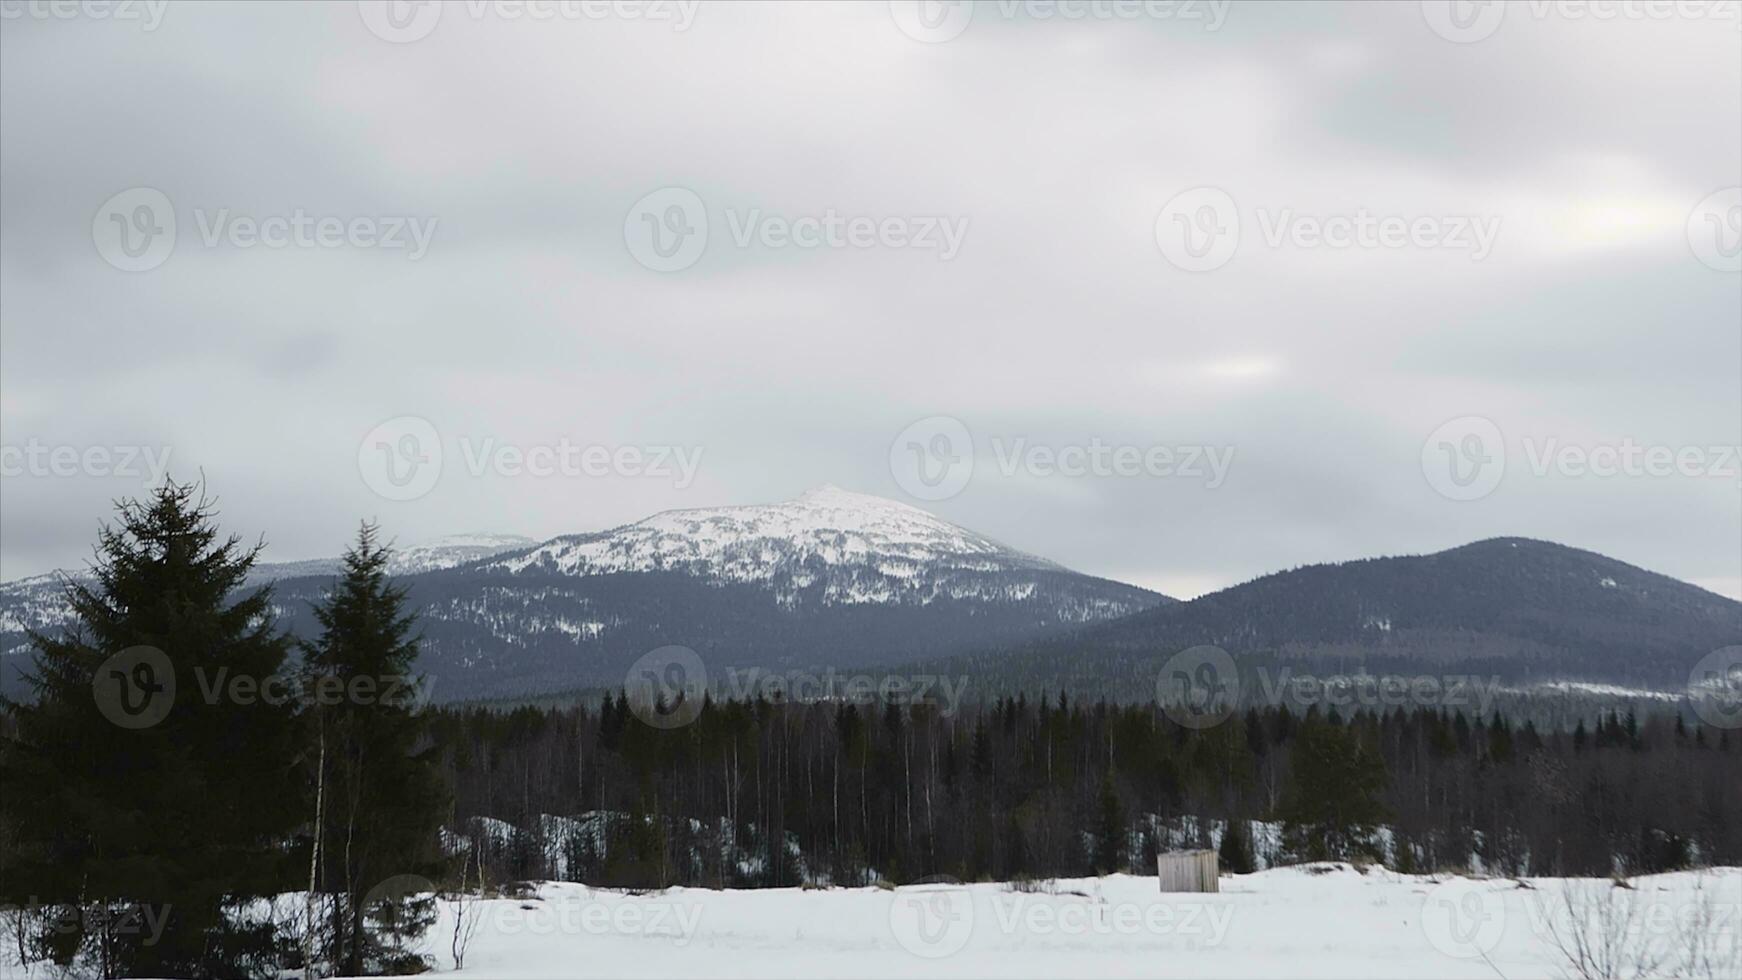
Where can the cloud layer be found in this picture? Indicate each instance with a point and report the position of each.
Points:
(790, 355)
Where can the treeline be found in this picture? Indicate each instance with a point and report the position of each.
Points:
(767, 793)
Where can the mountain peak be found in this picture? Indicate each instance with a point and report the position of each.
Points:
(474, 539)
(827, 546)
(829, 495)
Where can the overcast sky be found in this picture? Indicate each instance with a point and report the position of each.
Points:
(1106, 231)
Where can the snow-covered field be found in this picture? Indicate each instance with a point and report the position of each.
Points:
(1323, 921)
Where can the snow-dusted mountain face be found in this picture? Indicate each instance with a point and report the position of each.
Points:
(445, 552)
(827, 547)
(39, 601)
(829, 579)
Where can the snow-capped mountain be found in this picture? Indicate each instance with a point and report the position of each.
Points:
(827, 547)
(453, 550)
(828, 579)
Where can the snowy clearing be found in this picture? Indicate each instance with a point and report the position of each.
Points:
(1328, 921)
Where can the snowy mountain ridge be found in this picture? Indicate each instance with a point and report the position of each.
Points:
(39, 601)
(830, 577)
(838, 546)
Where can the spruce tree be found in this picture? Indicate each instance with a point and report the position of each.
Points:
(1110, 826)
(1333, 804)
(152, 779)
(384, 798)
(1235, 853)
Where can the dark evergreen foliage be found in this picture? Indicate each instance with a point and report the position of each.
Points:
(382, 798)
(181, 821)
(1038, 787)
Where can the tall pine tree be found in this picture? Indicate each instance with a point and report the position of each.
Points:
(382, 797)
(152, 778)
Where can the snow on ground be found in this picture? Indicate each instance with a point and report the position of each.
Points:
(1322, 921)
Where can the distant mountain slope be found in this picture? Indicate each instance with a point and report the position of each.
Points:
(830, 579)
(445, 552)
(38, 601)
(1520, 608)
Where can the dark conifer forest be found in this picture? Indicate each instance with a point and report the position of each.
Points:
(1047, 786)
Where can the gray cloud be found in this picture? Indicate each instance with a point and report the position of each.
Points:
(1060, 321)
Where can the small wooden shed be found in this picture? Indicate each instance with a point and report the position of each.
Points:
(1188, 871)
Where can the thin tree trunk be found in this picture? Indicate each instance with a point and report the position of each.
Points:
(314, 860)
